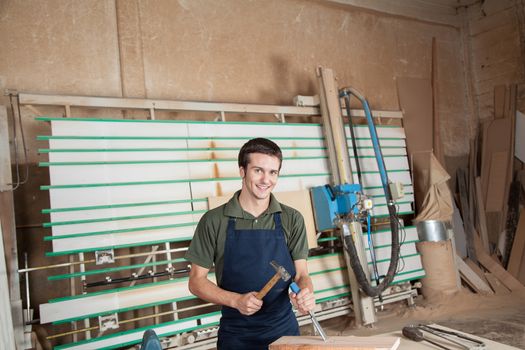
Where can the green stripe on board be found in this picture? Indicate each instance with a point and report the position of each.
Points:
(322, 300)
(388, 215)
(119, 218)
(131, 308)
(47, 164)
(168, 161)
(100, 150)
(380, 138)
(156, 121)
(322, 256)
(183, 138)
(140, 331)
(331, 288)
(376, 247)
(126, 205)
(327, 239)
(49, 187)
(124, 230)
(120, 246)
(387, 260)
(328, 271)
(388, 230)
(116, 290)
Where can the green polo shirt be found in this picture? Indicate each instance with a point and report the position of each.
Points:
(207, 246)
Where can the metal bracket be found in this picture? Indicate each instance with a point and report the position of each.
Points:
(104, 257)
(108, 322)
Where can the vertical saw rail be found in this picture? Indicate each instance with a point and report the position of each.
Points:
(361, 275)
(339, 158)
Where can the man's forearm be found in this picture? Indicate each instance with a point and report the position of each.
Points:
(305, 281)
(209, 291)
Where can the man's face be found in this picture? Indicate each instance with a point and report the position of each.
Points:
(260, 176)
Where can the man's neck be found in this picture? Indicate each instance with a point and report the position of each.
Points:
(252, 205)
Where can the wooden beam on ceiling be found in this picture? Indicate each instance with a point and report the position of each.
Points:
(436, 11)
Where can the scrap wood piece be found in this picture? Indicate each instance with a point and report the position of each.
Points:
(465, 213)
(497, 179)
(519, 137)
(496, 139)
(496, 285)
(499, 101)
(472, 278)
(460, 238)
(481, 216)
(492, 266)
(476, 268)
(336, 343)
(518, 247)
(510, 114)
(415, 99)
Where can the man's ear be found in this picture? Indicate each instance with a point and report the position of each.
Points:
(242, 172)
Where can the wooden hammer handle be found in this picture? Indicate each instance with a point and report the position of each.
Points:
(262, 293)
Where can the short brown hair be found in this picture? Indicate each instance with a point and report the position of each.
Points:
(259, 145)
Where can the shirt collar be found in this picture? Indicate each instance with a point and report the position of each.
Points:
(233, 207)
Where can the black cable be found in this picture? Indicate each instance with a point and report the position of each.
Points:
(135, 278)
(392, 268)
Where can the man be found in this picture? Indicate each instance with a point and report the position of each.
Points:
(240, 238)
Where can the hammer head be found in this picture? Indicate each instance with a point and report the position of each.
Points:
(285, 276)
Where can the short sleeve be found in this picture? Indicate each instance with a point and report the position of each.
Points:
(202, 247)
(297, 242)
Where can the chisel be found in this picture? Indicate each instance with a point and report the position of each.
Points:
(295, 288)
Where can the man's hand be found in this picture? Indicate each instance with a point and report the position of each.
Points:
(304, 301)
(248, 304)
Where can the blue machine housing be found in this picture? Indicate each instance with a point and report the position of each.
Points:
(331, 202)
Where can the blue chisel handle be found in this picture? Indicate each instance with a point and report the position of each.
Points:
(295, 288)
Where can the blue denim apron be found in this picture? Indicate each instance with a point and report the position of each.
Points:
(247, 256)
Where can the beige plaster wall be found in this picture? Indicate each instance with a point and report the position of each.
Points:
(496, 32)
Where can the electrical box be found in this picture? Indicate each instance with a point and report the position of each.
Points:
(397, 190)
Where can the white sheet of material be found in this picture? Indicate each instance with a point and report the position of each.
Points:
(88, 305)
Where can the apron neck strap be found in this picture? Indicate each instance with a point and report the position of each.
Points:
(276, 220)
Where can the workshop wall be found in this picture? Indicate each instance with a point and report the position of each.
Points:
(231, 51)
(496, 30)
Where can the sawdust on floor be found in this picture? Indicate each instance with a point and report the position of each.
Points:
(489, 316)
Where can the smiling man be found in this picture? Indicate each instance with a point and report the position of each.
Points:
(239, 239)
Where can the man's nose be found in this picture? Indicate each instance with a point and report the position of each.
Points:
(265, 177)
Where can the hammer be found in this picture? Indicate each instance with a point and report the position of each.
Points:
(280, 272)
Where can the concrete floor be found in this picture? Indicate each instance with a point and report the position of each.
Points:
(498, 318)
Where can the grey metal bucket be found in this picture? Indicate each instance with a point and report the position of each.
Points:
(432, 231)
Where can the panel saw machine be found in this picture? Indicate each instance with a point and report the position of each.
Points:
(343, 205)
